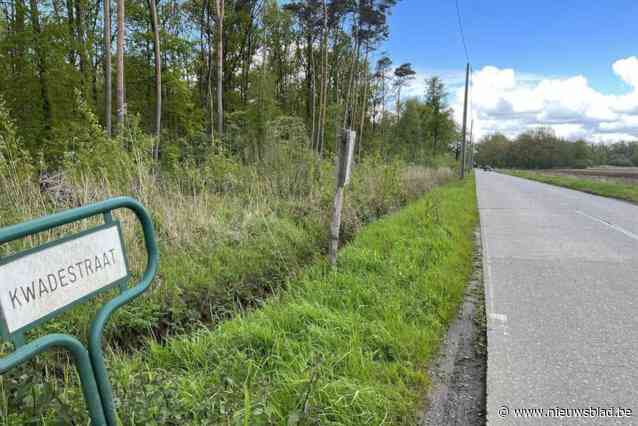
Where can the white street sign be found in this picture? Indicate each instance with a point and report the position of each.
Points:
(45, 281)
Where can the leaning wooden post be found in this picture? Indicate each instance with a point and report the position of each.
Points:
(344, 169)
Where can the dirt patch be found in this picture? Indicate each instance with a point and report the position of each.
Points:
(457, 396)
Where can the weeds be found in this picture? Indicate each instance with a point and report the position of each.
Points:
(340, 347)
(231, 236)
(344, 347)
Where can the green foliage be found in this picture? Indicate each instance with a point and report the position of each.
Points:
(542, 149)
(238, 216)
(15, 161)
(424, 131)
(16, 168)
(231, 235)
(493, 151)
(83, 147)
(581, 164)
(620, 162)
(374, 195)
(273, 66)
(344, 347)
(440, 126)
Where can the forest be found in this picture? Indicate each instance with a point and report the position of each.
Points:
(230, 78)
(542, 149)
(221, 117)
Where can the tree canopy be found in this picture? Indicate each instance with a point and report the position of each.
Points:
(542, 149)
(212, 73)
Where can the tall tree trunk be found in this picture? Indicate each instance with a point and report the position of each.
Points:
(18, 62)
(81, 32)
(209, 74)
(41, 65)
(70, 10)
(119, 89)
(323, 101)
(364, 106)
(220, 66)
(312, 96)
(211, 107)
(347, 117)
(202, 51)
(382, 103)
(108, 95)
(18, 30)
(310, 75)
(158, 77)
(357, 88)
(262, 119)
(398, 103)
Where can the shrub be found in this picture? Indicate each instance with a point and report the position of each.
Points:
(230, 235)
(581, 164)
(620, 162)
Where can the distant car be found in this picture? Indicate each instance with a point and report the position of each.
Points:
(487, 168)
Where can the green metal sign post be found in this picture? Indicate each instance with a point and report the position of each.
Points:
(40, 284)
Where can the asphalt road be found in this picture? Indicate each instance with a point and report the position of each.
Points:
(561, 278)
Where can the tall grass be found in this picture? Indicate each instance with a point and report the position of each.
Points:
(221, 249)
(231, 235)
(344, 347)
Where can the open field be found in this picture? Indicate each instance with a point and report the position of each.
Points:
(620, 174)
(612, 182)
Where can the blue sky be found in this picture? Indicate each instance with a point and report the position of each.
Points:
(544, 37)
(576, 56)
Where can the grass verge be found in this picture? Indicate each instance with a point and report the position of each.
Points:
(222, 253)
(346, 347)
(617, 190)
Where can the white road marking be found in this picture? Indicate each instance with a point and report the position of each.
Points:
(487, 282)
(487, 270)
(499, 317)
(610, 225)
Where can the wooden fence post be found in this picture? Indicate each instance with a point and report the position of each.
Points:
(344, 170)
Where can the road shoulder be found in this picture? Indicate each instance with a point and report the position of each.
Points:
(457, 395)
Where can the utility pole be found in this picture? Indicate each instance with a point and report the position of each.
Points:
(467, 80)
(470, 156)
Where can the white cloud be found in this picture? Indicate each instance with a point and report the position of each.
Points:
(417, 87)
(627, 69)
(510, 102)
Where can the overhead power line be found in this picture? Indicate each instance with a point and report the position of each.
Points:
(458, 15)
